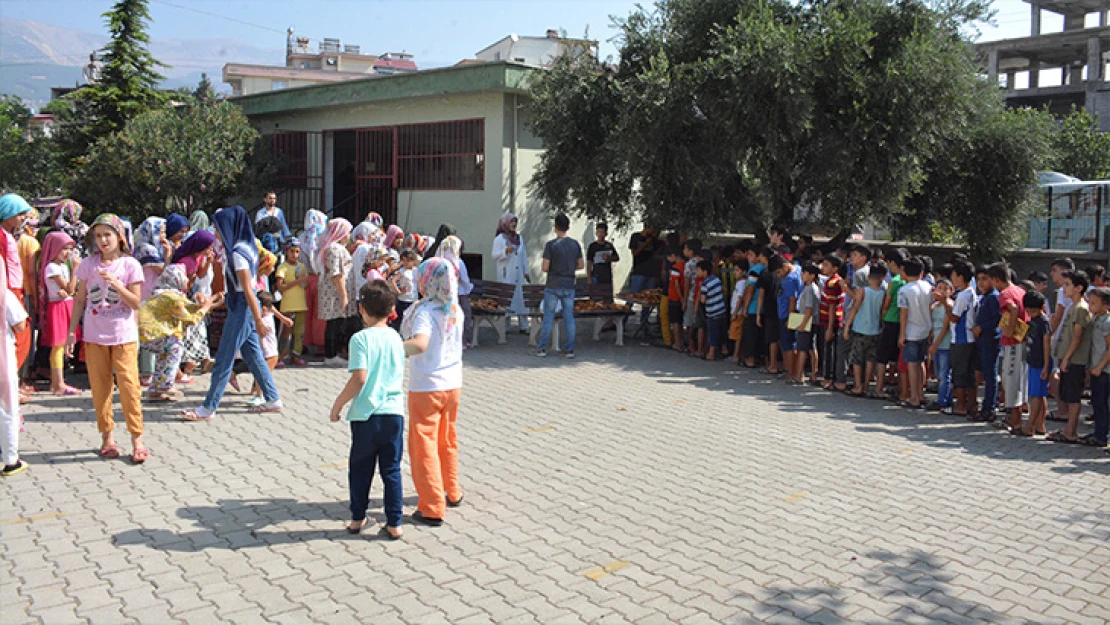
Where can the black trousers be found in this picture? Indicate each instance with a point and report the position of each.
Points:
(333, 336)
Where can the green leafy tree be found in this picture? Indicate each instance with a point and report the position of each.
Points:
(724, 114)
(127, 85)
(28, 157)
(1081, 150)
(190, 157)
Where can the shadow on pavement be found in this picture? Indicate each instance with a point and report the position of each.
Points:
(914, 581)
(244, 524)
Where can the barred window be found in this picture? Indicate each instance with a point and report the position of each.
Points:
(442, 156)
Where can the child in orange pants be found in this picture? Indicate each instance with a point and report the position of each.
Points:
(432, 328)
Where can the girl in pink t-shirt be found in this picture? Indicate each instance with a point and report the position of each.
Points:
(108, 294)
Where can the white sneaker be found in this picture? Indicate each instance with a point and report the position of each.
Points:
(336, 362)
(568, 355)
(541, 353)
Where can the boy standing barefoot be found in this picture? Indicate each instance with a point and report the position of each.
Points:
(377, 366)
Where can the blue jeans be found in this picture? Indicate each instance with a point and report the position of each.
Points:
(380, 441)
(553, 300)
(1100, 399)
(239, 335)
(942, 362)
(988, 364)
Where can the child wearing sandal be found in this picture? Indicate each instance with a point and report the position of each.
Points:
(56, 287)
(108, 294)
(432, 329)
(240, 266)
(163, 320)
(376, 392)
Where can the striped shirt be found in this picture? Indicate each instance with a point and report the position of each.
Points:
(714, 297)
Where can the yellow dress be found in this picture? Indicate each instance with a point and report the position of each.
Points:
(167, 314)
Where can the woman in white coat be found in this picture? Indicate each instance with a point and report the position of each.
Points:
(512, 265)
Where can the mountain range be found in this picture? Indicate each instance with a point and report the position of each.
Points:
(35, 57)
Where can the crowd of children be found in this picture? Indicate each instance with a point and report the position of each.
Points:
(848, 318)
(224, 294)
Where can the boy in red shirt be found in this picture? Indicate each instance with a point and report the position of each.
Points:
(674, 297)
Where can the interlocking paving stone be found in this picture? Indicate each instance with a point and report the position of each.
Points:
(631, 485)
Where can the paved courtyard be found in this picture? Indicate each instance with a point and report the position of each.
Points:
(630, 485)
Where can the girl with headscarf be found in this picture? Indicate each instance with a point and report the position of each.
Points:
(66, 216)
(361, 237)
(162, 322)
(512, 265)
(432, 329)
(13, 211)
(194, 255)
(177, 226)
(56, 287)
(152, 250)
(451, 249)
(109, 291)
(315, 223)
(242, 331)
(445, 230)
(198, 220)
(13, 316)
(333, 302)
(374, 219)
(394, 238)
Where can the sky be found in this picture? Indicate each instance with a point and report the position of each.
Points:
(438, 32)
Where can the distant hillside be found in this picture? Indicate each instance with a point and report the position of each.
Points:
(35, 57)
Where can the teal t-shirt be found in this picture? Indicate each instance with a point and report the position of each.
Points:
(380, 352)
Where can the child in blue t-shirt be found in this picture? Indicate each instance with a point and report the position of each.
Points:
(376, 393)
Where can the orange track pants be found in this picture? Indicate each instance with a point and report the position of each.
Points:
(434, 449)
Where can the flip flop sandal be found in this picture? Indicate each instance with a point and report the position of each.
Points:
(110, 452)
(1058, 437)
(68, 391)
(192, 415)
(907, 404)
(1090, 441)
(1019, 432)
(140, 455)
(388, 535)
(357, 530)
(1052, 416)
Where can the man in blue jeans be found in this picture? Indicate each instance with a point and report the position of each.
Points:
(562, 259)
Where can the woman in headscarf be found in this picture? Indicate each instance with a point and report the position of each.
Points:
(394, 238)
(195, 257)
(451, 249)
(512, 265)
(333, 303)
(445, 230)
(66, 216)
(360, 248)
(374, 219)
(432, 329)
(244, 326)
(13, 316)
(198, 220)
(176, 228)
(315, 224)
(13, 211)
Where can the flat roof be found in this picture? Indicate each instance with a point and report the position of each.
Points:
(535, 38)
(1053, 49)
(503, 76)
(1071, 7)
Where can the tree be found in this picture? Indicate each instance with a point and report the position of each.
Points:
(724, 114)
(190, 157)
(28, 159)
(1081, 150)
(204, 91)
(127, 86)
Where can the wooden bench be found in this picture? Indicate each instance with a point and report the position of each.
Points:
(497, 319)
(533, 301)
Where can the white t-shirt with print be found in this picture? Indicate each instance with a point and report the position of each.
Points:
(439, 368)
(60, 270)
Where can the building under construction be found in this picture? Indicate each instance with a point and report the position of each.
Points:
(1056, 70)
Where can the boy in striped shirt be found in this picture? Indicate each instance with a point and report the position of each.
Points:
(713, 299)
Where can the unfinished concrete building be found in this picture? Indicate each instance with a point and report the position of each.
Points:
(1056, 70)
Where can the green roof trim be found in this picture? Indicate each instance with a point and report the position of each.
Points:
(498, 76)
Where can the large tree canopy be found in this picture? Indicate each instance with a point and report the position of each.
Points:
(724, 114)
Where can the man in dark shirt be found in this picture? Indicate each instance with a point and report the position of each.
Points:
(562, 259)
(600, 256)
(645, 264)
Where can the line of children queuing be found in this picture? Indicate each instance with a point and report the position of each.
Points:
(851, 319)
(143, 308)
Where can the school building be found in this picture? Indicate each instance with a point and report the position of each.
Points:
(448, 145)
